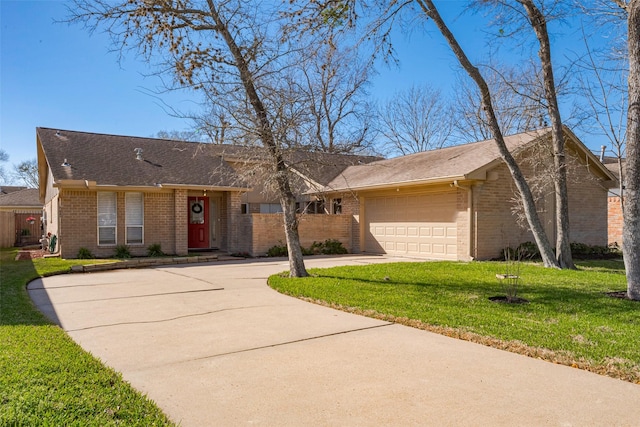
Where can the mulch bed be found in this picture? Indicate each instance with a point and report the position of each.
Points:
(30, 254)
(505, 300)
(619, 294)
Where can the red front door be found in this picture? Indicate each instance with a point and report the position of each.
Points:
(198, 222)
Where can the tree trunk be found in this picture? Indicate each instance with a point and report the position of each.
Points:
(296, 260)
(287, 199)
(631, 226)
(563, 247)
(546, 251)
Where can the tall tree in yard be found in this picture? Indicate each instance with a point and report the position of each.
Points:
(631, 227)
(222, 49)
(538, 22)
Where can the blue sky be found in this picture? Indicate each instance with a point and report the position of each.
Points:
(59, 76)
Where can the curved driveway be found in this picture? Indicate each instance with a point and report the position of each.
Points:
(213, 345)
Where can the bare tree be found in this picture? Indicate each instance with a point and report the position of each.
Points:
(229, 50)
(517, 98)
(335, 82)
(382, 16)
(414, 120)
(27, 172)
(602, 83)
(4, 157)
(538, 21)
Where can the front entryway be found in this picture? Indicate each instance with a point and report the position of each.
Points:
(198, 222)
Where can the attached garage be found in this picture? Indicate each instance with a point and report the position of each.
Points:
(420, 224)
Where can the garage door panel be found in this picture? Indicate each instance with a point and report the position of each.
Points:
(420, 225)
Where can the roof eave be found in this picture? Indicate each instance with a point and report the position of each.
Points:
(93, 185)
(399, 184)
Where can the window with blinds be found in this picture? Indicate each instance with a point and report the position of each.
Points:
(107, 218)
(134, 218)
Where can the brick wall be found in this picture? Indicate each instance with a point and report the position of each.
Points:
(615, 220)
(159, 221)
(79, 215)
(78, 218)
(180, 232)
(496, 226)
(462, 224)
(262, 231)
(587, 208)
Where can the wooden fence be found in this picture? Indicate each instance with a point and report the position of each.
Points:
(20, 228)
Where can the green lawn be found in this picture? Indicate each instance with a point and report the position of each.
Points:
(47, 379)
(569, 318)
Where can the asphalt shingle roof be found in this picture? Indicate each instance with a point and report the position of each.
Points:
(21, 198)
(457, 161)
(111, 160)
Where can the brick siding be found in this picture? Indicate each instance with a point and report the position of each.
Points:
(262, 231)
(615, 220)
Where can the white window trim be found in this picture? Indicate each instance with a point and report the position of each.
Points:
(126, 220)
(115, 226)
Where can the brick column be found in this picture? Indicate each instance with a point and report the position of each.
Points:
(181, 224)
(233, 212)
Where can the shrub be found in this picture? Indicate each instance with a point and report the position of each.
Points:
(584, 251)
(333, 247)
(328, 247)
(155, 250)
(524, 252)
(122, 252)
(278, 250)
(84, 253)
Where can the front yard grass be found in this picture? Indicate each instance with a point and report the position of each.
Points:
(569, 319)
(47, 379)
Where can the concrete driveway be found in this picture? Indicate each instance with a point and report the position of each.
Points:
(212, 345)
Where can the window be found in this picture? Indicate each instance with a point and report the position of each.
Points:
(314, 207)
(244, 208)
(270, 208)
(337, 206)
(107, 218)
(134, 218)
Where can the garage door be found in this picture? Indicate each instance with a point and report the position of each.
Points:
(418, 224)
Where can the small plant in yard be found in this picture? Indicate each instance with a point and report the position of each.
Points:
(333, 247)
(510, 279)
(84, 253)
(155, 250)
(122, 252)
(277, 250)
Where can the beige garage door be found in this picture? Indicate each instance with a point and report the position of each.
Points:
(416, 224)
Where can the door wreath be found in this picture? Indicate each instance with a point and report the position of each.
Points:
(196, 208)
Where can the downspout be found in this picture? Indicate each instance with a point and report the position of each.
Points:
(470, 222)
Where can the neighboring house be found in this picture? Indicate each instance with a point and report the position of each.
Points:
(614, 203)
(20, 216)
(100, 191)
(457, 202)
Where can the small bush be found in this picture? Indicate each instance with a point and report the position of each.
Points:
(333, 247)
(328, 247)
(155, 250)
(524, 252)
(278, 250)
(584, 251)
(84, 253)
(122, 252)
